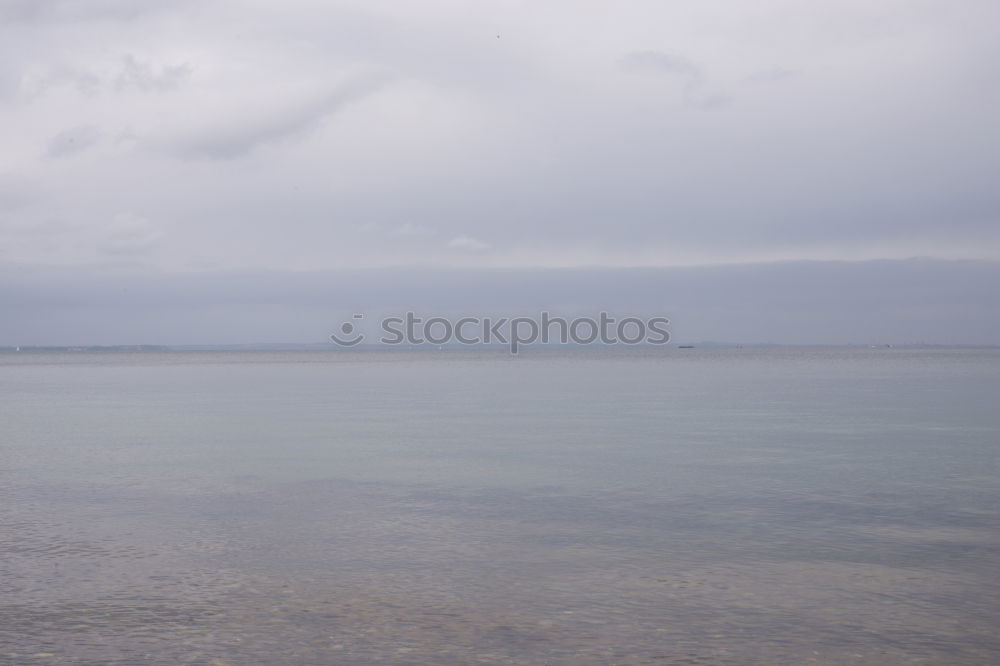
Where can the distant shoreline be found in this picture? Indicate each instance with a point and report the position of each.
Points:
(13, 349)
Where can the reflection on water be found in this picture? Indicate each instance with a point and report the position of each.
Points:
(345, 572)
(793, 508)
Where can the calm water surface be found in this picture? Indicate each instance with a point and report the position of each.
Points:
(625, 506)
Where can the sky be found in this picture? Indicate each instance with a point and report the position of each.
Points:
(166, 159)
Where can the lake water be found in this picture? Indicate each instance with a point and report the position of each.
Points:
(617, 506)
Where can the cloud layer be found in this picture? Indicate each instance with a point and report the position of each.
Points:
(309, 136)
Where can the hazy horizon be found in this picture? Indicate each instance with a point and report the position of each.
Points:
(919, 301)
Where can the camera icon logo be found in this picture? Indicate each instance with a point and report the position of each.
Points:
(350, 338)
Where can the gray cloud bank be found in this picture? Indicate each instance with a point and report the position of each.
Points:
(897, 302)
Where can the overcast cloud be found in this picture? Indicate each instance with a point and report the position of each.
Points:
(177, 139)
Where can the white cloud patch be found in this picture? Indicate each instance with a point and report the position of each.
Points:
(410, 229)
(143, 76)
(469, 243)
(774, 75)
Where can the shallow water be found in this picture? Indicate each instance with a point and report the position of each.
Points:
(559, 507)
